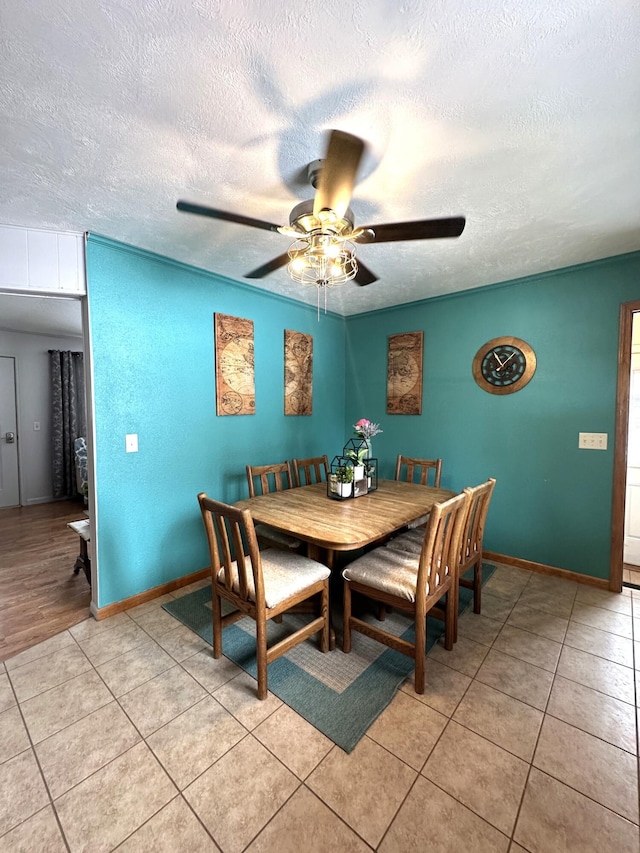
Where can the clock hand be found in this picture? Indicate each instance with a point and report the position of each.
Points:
(497, 358)
(507, 360)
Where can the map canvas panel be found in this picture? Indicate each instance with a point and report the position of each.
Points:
(235, 371)
(404, 374)
(298, 373)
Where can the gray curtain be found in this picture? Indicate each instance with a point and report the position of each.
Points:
(69, 418)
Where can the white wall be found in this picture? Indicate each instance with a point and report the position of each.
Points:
(35, 260)
(34, 404)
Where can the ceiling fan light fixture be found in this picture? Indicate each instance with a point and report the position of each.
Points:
(322, 261)
(323, 254)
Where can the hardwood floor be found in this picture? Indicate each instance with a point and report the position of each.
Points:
(631, 574)
(39, 594)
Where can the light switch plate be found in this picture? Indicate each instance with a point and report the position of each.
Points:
(131, 443)
(592, 440)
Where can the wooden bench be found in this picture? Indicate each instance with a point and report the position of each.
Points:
(82, 528)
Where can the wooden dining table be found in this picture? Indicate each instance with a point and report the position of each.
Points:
(328, 525)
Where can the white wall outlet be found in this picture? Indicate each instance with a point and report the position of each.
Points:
(131, 443)
(36, 426)
(592, 440)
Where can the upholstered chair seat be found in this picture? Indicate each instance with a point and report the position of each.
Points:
(414, 583)
(271, 536)
(388, 571)
(260, 584)
(284, 575)
(409, 542)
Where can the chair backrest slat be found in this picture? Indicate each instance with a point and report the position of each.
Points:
(303, 468)
(421, 467)
(471, 545)
(271, 478)
(441, 546)
(233, 546)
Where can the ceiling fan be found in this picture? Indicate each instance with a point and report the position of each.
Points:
(323, 228)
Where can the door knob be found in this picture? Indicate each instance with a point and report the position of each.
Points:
(10, 437)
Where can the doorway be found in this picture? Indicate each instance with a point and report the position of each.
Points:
(9, 479)
(631, 553)
(40, 549)
(625, 505)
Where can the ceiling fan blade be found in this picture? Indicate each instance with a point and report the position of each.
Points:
(338, 173)
(420, 229)
(364, 275)
(214, 213)
(270, 266)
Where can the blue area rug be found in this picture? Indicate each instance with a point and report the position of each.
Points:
(341, 695)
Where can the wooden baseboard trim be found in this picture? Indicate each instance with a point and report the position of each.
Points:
(541, 568)
(148, 594)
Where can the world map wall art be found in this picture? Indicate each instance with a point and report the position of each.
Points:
(298, 373)
(404, 374)
(235, 370)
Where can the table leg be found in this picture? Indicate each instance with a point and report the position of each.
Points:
(83, 561)
(326, 556)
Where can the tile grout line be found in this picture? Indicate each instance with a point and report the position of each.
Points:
(303, 782)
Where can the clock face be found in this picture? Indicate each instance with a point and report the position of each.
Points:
(504, 365)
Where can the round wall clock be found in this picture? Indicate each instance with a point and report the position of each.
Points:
(504, 365)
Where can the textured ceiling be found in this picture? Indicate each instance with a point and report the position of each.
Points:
(522, 116)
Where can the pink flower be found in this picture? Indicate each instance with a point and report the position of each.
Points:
(364, 428)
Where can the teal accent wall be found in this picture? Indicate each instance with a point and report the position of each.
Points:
(552, 502)
(152, 340)
(151, 326)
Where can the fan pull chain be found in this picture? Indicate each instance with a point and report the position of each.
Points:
(324, 288)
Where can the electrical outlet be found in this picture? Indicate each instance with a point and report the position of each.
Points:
(36, 426)
(131, 443)
(592, 440)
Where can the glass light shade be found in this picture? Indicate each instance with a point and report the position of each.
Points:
(322, 260)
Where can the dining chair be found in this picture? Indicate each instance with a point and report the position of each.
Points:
(421, 467)
(410, 542)
(471, 545)
(412, 583)
(315, 469)
(270, 478)
(259, 584)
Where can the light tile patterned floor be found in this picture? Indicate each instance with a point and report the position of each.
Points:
(125, 734)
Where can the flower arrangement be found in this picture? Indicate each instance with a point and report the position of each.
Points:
(366, 429)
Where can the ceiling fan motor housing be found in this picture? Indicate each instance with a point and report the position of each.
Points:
(313, 172)
(302, 219)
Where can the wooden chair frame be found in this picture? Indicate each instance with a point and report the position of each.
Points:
(279, 474)
(471, 545)
(230, 533)
(423, 467)
(437, 571)
(318, 464)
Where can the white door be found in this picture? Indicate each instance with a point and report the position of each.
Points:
(632, 505)
(9, 489)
